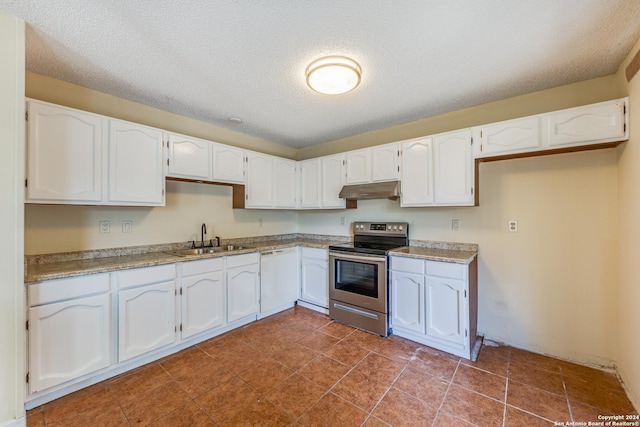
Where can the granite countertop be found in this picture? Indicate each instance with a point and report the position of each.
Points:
(459, 253)
(70, 264)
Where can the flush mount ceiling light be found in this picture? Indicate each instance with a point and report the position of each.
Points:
(333, 75)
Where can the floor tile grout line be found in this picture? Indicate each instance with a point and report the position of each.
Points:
(445, 393)
(506, 391)
(566, 394)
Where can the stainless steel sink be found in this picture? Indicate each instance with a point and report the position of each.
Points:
(204, 251)
(196, 251)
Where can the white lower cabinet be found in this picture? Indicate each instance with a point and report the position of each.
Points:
(278, 280)
(243, 286)
(435, 303)
(70, 331)
(407, 295)
(202, 294)
(146, 310)
(314, 276)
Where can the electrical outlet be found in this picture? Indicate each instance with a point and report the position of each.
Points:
(455, 224)
(341, 220)
(105, 227)
(513, 226)
(127, 226)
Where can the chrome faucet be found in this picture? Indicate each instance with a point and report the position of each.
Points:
(203, 231)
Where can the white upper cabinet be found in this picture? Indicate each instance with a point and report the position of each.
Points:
(380, 163)
(65, 155)
(310, 184)
(417, 172)
(332, 179)
(136, 175)
(188, 158)
(601, 122)
(454, 168)
(586, 125)
(228, 164)
(285, 183)
(385, 162)
(272, 182)
(259, 189)
(359, 166)
(511, 136)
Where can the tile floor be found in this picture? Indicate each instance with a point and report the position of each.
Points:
(300, 368)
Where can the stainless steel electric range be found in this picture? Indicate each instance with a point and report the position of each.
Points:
(358, 278)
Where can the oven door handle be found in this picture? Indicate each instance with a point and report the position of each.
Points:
(355, 310)
(363, 258)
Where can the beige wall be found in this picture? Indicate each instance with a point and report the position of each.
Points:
(188, 205)
(628, 314)
(11, 221)
(550, 287)
(586, 92)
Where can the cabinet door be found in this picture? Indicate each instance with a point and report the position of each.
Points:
(310, 184)
(228, 164)
(417, 173)
(278, 280)
(68, 339)
(446, 315)
(64, 155)
(314, 277)
(189, 157)
(511, 136)
(243, 291)
(454, 178)
(600, 122)
(407, 301)
(147, 319)
(259, 189)
(135, 165)
(285, 183)
(358, 166)
(202, 302)
(332, 181)
(385, 162)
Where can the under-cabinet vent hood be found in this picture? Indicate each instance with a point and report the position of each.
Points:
(375, 190)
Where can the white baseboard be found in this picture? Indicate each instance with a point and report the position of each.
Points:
(20, 422)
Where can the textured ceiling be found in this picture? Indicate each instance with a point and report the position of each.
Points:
(212, 60)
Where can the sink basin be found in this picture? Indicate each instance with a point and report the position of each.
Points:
(204, 251)
(196, 251)
(234, 247)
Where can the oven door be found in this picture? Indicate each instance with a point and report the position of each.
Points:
(358, 279)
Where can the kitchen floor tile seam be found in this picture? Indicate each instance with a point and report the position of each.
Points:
(131, 423)
(406, 366)
(528, 412)
(506, 394)
(464, 362)
(446, 392)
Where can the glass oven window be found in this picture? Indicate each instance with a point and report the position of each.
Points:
(357, 277)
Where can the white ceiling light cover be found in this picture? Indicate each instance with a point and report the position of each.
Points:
(333, 75)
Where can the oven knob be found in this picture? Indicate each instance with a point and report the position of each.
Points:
(400, 228)
(395, 227)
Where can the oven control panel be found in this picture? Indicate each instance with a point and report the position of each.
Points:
(381, 228)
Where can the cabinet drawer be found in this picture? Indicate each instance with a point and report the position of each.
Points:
(410, 265)
(64, 289)
(246, 259)
(143, 276)
(203, 266)
(445, 269)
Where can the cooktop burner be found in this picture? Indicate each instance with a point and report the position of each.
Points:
(375, 238)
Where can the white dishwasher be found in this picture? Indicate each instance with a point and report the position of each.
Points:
(279, 285)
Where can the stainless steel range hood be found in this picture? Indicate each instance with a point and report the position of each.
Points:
(376, 190)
